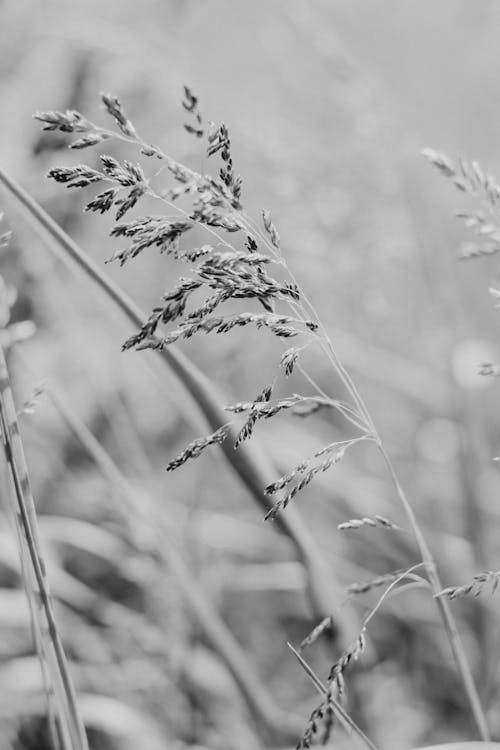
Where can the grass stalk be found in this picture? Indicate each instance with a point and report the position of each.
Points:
(278, 725)
(446, 615)
(450, 625)
(59, 738)
(234, 283)
(249, 463)
(347, 721)
(24, 510)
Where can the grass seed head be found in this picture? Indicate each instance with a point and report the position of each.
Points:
(196, 448)
(376, 521)
(475, 587)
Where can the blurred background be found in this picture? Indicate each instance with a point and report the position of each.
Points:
(328, 105)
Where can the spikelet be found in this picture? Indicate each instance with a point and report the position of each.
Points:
(190, 104)
(114, 108)
(271, 229)
(376, 521)
(467, 177)
(70, 121)
(366, 586)
(352, 653)
(474, 587)
(247, 429)
(285, 480)
(306, 471)
(196, 448)
(324, 627)
(488, 369)
(313, 724)
(288, 360)
(305, 479)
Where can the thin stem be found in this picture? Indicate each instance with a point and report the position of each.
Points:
(251, 464)
(337, 708)
(427, 558)
(323, 338)
(14, 454)
(364, 415)
(56, 736)
(443, 605)
(277, 723)
(388, 590)
(346, 411)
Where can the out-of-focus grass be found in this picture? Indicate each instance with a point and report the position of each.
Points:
(328, 108)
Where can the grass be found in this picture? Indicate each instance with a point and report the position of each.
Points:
(44, 623)
(249, 271)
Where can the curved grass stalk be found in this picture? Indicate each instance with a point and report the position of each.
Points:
(450, 625)
(250, 464)
(360, 412)
(426, 555)
(444, 609)
(367, 425)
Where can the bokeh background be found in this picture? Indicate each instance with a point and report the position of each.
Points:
(328, 104)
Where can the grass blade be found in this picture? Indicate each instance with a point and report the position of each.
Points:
(24, 511)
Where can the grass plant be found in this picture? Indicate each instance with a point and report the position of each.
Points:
(239, 278)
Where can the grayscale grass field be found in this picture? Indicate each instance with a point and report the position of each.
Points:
(249, 354)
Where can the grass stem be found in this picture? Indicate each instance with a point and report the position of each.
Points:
(340, 712)
(26, 516)
(249, 463)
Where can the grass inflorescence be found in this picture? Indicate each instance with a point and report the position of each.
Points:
(243, 263)
(476, 586)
